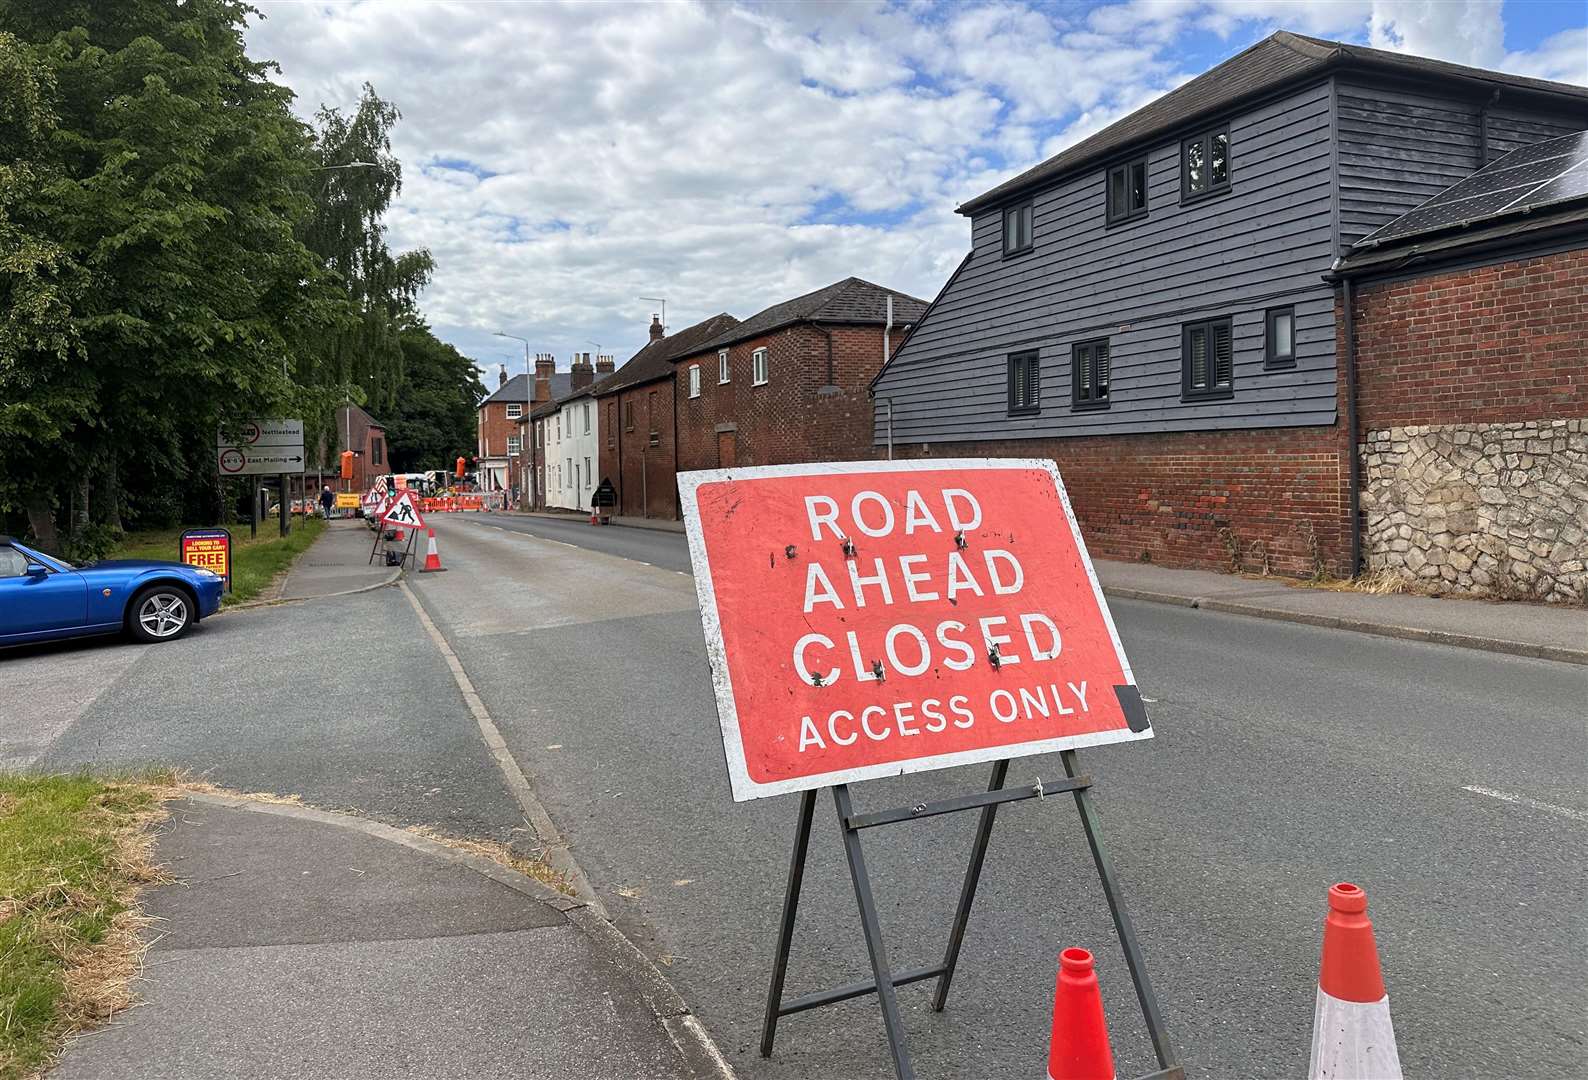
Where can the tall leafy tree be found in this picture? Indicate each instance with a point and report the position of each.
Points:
(356, 177)
(176, 176)
(433, 420)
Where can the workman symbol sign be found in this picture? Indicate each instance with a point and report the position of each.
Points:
(402, 511)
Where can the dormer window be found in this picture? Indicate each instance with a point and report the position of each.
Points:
(1017, 228)
(1205, 164)
(1127, 191)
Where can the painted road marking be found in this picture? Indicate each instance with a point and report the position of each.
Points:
(1523, 800)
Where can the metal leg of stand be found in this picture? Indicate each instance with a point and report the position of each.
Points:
(785, 934)
(873, 931)
(1127, 932)
(967, 891)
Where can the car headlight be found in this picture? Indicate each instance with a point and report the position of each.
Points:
(205, 572)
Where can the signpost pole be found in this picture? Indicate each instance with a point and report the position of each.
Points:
(253, 520)
(284, 511)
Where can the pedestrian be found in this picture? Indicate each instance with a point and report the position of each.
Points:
(327, 500)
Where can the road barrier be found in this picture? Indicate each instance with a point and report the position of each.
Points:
(1352, 1037)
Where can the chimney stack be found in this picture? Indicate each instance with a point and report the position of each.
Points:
(581, 374)
(657, 330)
(605, 365)
(501, 377)
(545, 364)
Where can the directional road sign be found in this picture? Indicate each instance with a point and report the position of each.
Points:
(263, 447)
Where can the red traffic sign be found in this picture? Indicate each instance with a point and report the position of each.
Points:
(403, 511)
(866, 619)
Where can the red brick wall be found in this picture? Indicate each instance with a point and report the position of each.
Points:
(642, 473)
(494, 428)
(1495, 344)
(1167, 498)
(794, 417)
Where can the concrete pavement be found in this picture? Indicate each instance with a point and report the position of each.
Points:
(338, 563)
(301, 944)
(1447, 782)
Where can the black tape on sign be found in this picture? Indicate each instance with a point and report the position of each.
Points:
(1134, 708)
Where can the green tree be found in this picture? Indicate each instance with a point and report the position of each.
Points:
(176, 177)
(433, 420)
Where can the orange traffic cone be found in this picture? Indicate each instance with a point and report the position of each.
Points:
(432, 557)
(1352, 1037)
(1079, 1049)
(401, 536)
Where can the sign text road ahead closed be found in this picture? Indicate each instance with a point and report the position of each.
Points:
(871, 618)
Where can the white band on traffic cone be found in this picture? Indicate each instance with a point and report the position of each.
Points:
(1353, 1040)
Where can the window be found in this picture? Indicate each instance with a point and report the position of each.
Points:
(650, 416)
(758, 368)
(628, 416)
(377, 452)
(1206, 362)
(587, 418)
(1205, 164)
(13, 563)
(558, 421)
(515, 443)
(538, 426)
(1127, 191)
(694, 380)
(1280, 334)
(1024, 384)
(586, 472)
(1089, 374)
(1017, 228)
(722, 366)
(612, 423)
(514, 410)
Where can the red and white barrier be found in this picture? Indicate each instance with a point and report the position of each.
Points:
(1352, 1037)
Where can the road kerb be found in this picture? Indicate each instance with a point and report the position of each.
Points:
(1360, 626)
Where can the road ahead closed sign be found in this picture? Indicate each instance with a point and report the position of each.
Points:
(872, 618)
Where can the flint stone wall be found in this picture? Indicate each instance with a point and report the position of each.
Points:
(1485, 509)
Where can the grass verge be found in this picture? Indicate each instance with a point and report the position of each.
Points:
(74, 850)
(255, 563)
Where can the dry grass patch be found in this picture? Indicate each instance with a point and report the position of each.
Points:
(74, 852)
(1378, 583)
(502, 855)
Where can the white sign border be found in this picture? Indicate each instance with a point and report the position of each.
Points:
(401, 496)
(744, 787)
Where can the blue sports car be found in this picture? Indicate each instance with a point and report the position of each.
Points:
(42, 597)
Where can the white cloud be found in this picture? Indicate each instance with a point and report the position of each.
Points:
(732, 155)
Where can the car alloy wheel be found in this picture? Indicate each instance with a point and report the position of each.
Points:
(163, 615)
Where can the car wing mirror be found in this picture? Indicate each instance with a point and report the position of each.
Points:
(37, 569)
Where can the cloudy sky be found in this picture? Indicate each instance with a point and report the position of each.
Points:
(563, 160)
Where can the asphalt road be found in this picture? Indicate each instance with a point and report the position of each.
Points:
(654, 546)
(1287, 758)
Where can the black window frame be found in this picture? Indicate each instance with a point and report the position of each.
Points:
(1028, 206)
(1273, 361)
(1083, 354)
(1213, 391)
(1125, 168)
(1205, 139)
(1033, 357)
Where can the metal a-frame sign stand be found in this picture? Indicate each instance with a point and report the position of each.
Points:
(885, 978)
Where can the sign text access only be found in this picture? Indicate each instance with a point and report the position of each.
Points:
(872, 618)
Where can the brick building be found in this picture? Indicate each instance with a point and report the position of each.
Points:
(1470, 349)
(558, 472)
(789, 384)
(358, 431)
(1157, 310)
(500, 427)
(637, 434)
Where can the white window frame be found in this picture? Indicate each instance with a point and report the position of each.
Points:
(724, 372)
(587, 471)
(515, 409)
(515, 444)
(760, 369)
(587, 418)
(694, 380)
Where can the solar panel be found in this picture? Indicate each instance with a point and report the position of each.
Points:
(1525, 179)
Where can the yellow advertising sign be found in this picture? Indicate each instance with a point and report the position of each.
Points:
(207, 548)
